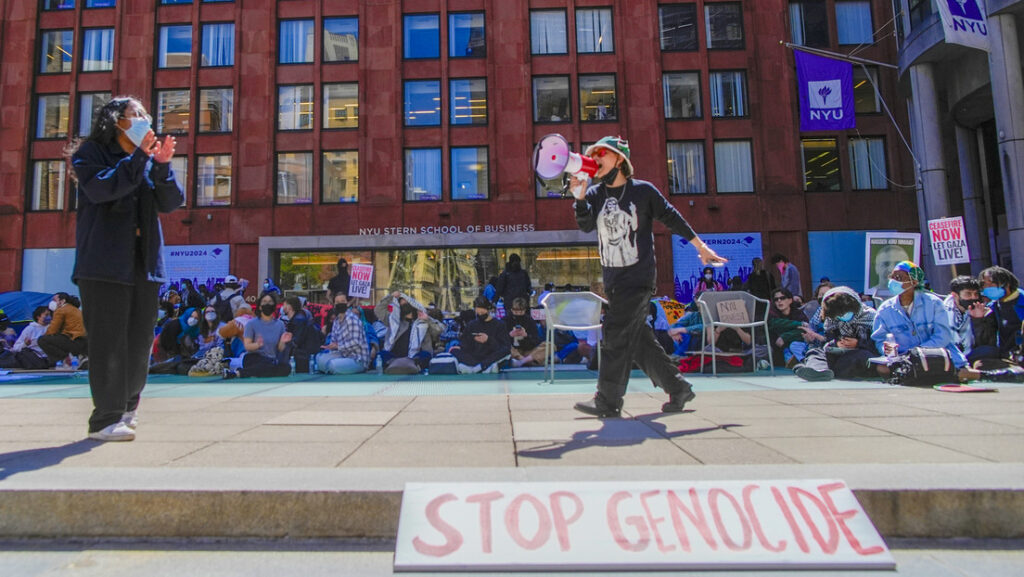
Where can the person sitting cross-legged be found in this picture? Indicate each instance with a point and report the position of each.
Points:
(266, 344)
(347, 351)
(527, 348)
(485, 342)
(847, 339)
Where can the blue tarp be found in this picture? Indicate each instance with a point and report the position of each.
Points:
(19, 304)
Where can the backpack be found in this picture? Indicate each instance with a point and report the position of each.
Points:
(223, 307)
(923, 367)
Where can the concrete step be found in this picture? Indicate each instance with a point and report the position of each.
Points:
(904, 501)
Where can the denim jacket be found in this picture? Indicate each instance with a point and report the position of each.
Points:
(926, 326)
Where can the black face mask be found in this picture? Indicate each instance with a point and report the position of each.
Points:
(268, 309)
(340, 308)
(968, 303)
(482, 318)
(609, 178)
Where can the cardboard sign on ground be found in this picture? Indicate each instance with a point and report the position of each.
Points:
(623, 526)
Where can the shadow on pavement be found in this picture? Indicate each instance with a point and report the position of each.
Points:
(617, 433)
(35, 459)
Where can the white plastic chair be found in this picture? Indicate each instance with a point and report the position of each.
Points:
(708, 304)
(569, 312)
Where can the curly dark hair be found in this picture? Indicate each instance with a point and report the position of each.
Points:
(104, 128)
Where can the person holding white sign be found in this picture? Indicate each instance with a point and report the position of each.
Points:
(622, 210)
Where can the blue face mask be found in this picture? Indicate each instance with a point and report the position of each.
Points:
(993, 293)
(895, 287)
(845, 317)
(139, 129)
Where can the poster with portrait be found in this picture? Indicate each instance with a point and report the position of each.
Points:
(884, 250)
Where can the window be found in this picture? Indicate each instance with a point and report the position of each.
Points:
(295, 42)
(213, 180)
(219, 44)
(341, 105)
(920, 10)
(864, 96)
(295, 178)
(466, 38)
(728, 93)
(422, 36)
(597, 98)
(98, 50)
(548, 32)
(682, 94)
(179, 165)
(58, 4)
(295, 107)
(55, 56)
(52, 116)
(172, 111)
(808, 22)
(100, 3)
(423, 103)
(49, 178)
(341, 177)
(175, 50)
(678, 23)
(853, 22)
(468, 103)
(686, 168)
(723, 24)
(216, 109)
(551, 99)
(423, 174)
(175, 1)
(341, 39)
(594, 30)
(734, 167)
(821, 164)
(89, 105)
(867, 163)
(469, 173)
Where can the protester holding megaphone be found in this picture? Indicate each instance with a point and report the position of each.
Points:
(623, 209)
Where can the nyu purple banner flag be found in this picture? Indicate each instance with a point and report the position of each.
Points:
(826, 92)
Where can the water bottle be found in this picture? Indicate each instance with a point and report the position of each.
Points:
(890, 348)
(60, 365)
(74, 363)
(291, 361)
(380, 365)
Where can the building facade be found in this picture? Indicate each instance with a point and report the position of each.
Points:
(401, 133)
(967, 110)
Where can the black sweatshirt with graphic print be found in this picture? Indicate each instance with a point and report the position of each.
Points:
(624, 219)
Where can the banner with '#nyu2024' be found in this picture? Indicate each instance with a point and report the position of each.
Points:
(826, 92)
(964, 22)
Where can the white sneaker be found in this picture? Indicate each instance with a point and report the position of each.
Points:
(131, 419)
(468, 370)
(119, 431)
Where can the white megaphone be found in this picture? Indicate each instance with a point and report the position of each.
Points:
(552, 160)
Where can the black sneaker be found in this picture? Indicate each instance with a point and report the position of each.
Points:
(228, 374)
(599, 409)
(1007, 375)
(677, 401)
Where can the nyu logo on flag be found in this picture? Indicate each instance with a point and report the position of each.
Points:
(964, 22)
(826, 93)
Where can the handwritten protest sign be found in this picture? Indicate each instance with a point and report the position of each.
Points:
(361, 280)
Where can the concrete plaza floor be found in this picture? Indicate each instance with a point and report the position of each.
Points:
(278, 458)
(508, 420)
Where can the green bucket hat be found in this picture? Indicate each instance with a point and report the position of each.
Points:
(616, 144)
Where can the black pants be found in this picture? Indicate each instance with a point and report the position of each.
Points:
(257, 365)
(59, 346)
(24, 359)
(628, 339)
(849, 365)
(119, 320)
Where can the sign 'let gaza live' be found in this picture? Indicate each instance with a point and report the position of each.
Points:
(649, 525)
